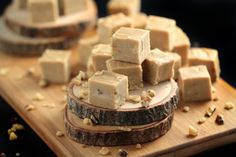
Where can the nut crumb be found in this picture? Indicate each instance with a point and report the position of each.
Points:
(17, 126)
(104, 151)
(219, 119)
(134, 99)
(186, 108)
(81, 76)
(12, 136)
(59, 133)
(123, 128)
(11, 130)
(122, 153)
(4, 71)
(29, 107)
(87, 121)
(228, 106)
(202, 120)
(138, 146)
(38, 97)
(83, 94)
(192, 132)
(151, 93)
(211, 109)
(43, 83)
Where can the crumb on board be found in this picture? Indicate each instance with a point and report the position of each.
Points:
(43, 83)
(18, 126)
(29, 107)
(122, 153)
(219, 119)
(59, 133)
(186, 108)
(202, 120)
(12, 136)
(104, 151)
(211, 109)
(31, 71)
(134, 99)
(192, 132)
(138, 146)
(4, 71)
(49, 105)
(229, 105)
(38, 97)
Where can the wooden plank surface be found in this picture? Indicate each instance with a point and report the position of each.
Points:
(47, 121)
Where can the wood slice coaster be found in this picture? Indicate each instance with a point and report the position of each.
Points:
(18, 45)
(98, 135)
(129, 114)
(71, 25)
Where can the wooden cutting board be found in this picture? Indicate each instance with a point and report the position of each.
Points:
(46, 120)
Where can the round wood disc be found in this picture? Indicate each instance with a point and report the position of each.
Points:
(98, 135)
(19, 45)
(160, 107)
(70, 25)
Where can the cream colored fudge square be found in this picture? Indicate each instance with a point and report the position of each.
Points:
(20, 4)
(108, 25)
(195, 83)
(101, 53)
(85, 48)
(131, 45)
(182, 45)
(162, 32)
(129, 7)
(139, 20)
(55, 66)
(133, 71)
(177, 64)
(209, 58)
(72, 6)
(158, 67)
(43, 10)
(108, 89)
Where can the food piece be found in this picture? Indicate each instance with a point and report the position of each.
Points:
(211, 109)
(228, 106)
(134, 99)
(30, 71)
(83, 94)
(162, 32)
(12, 136)
(20, 4)
(138, 146)
(122, 153)
(100, 54)
(49, 105)
(139, 20)
(195, 83)
(43, 10)
(17, 126)
(55, 66)
(151, 93)
(192, 132)
(130, 7)
(87, 121)
(219, 119)
(108, 89)
(4, 71)
(186, 108)
(123, 128)
(158, 67)
(72, 6)
(181, 45)
(29, 107)
(133, 71)
(104, 151)
(59, 133)
(42, 83)
(177, 64)
(38, 97)
(202, 120)
(213, 89)
(209, 58)
(131, 45)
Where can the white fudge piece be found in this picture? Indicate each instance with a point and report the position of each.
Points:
(162, 32)
(177, 64)
(100, 54)
(108, 89)
(195, 83)
(139, 20)
(55, 66)
(43, 10)
(133, 71)
(131, 45)
(72, 6)
(158, 67)
(20, 4)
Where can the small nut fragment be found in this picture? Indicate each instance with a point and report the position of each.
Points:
(202, 120)
(210, 111)
(145, 103)
(43, 83)
(94, 119)
(17, 126)
(83, 94)
(192, 132)
(138, 146)
(29, 107)
(186, 108)
(122, 153)
(151, 92)
(4, 71)
(134, 99)
(11, 130)
(12, 136)
(104, 151)
(38, 97)
(31, 71)
(228, 106)
(219, 119)
(81, 76)
(87, 121)
(123, 128)
(59, 133)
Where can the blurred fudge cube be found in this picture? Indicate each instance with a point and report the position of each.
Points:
(177, 64)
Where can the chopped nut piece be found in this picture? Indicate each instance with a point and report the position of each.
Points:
(193, 132)
(43, 83)
(4, 71)
(151, 93)
(186, 108)
(104, 151)
(29, 107)
(94, 119)
(11, 130)
(210, 111)
(138, 146)
(229, 106)
(17, 126)
(87, 121)
(30, 71)
(59, 133)
(12, 136)
(124, 128)
(122, 153)
(219, 119)
(145, 103)
(81, 76)
(38, 97)
(134, 99)
(213, 89)
(83, 94)
(202, 120)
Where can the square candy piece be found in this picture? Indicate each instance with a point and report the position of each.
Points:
(195, 83)
(133, 71)
(55, 66)
(108, 25)
(139, 20)
(100, 54)
(131, 45)
(177, 64)
(108, 89)
(72, 6)
(158, 67)
(207, 57)
(161, 32)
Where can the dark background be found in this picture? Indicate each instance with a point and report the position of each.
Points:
(208, 23)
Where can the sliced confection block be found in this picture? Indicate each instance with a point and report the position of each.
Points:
(108, 25)
(100, 54)
(158, 67)
(108, 89)
(131, 45)
(209, 58)
(139, 20)
(72, 6)
(177, 64)
(20, 4)
(195, 83)
(55, 66)
(133, 71)
(162, 34)
(43, 10)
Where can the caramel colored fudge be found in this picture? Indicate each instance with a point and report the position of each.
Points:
(43, 10)
(133, 71)
(108, 89)
(20, 4)
(100, 54)
(72, 6)
(207, 57)
(129, 7)
(55, 66)
(85, 48)
(182, 45)
(162, 32)
(131, 45)
(108, 25)
(195, 83)
(158, 67)
(177, 64)
(139, 20)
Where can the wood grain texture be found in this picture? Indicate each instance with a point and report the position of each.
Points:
(46, 121)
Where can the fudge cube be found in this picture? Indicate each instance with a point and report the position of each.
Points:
(131, 45)
(182, 45)
(72, 6)
(55, 66)
(162, 34)
(207, 57)
(139, 20)
(195, 83)
(20, 4)
(108, 89)
(177, 64)
(43, 10)
(108, 25)
(158, 67)
(130, 7)
(100, 54)
(133, 71)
